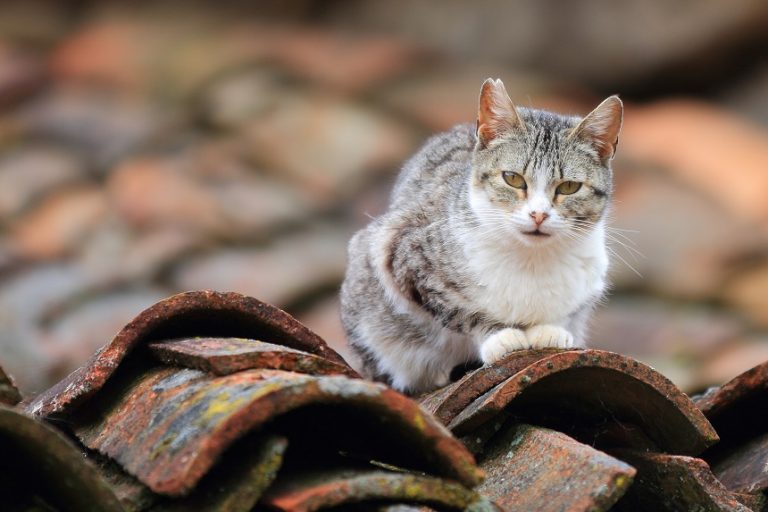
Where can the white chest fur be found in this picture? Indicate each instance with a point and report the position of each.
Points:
(537, 285)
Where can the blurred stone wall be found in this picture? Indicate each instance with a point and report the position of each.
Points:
(163, 147)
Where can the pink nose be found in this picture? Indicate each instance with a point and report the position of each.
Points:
(539, 217)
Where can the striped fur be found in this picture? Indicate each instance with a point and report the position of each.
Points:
(449, 275)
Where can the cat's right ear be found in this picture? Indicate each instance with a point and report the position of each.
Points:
(497, 114)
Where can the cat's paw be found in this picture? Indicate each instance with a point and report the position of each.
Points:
(549, 336)
(501, 343)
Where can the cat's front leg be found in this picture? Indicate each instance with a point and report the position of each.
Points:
(502, 342)
(549, 336)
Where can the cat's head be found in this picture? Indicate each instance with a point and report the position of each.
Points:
(540, 176)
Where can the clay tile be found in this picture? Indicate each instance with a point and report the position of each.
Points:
(534, 468)
(580, 388)
(169, 427)
(314, 490)
(737, 410)
(447, 402)
(199, 313)
(668, 483)
(738, 396)
(238, 481)
(223, 356)
(40, 468)
(235, 484)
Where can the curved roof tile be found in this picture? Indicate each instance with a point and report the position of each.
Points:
(171, 425)
(199, 313)
(587, 384)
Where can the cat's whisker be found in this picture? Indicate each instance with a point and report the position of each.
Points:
(635, 253)
(583, 228)
(633, 269)
(623, 237)
(623, 230)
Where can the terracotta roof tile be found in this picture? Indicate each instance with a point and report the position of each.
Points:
(674, 482)
(222, 356)
(204, 398)
(737, 409)
(577, 387)
(534, 468)
(200, 313)
(171, 425)
(308, 491)
(218, 402)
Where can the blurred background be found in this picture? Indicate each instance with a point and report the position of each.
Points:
(156, 147)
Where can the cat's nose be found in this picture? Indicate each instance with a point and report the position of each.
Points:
(539, 217)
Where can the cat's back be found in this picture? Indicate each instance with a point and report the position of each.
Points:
(436, 170)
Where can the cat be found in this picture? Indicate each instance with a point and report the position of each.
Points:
(494, 241)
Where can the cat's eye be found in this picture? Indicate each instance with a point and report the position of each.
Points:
(567, 188)
(514, 180)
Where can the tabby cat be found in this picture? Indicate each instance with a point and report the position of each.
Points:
(494, 241)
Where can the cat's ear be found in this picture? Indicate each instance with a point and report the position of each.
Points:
(496, 114)
(601, 127)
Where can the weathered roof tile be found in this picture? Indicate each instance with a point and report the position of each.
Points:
(744, 469)
(200, 313)
(170, 426)
(750, 385)
(237, 483)
(313, 490)
(670, 483)
(534, 468)
(223, 356)
(577, 387)
(216, 402)
(737, 409)
(249, 394)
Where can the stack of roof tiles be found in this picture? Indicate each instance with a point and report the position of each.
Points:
(218, 402)
(594, 430)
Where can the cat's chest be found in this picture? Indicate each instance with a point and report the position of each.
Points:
(534, 291)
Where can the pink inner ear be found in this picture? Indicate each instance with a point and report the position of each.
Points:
(496, 113)
(602, 127)
(485, 115)
(485, 133)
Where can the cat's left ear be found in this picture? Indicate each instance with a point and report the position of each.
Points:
(601, 127)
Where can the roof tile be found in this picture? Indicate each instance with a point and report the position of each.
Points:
(308, 491)
(223, 356)
(673, 483)
(737, 409)
(577, 387)
(199, 313)
(530, 468)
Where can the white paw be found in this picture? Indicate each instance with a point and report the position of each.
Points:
(501, 343)
(543, 336)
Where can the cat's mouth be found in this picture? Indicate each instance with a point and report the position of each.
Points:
(536, 232)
